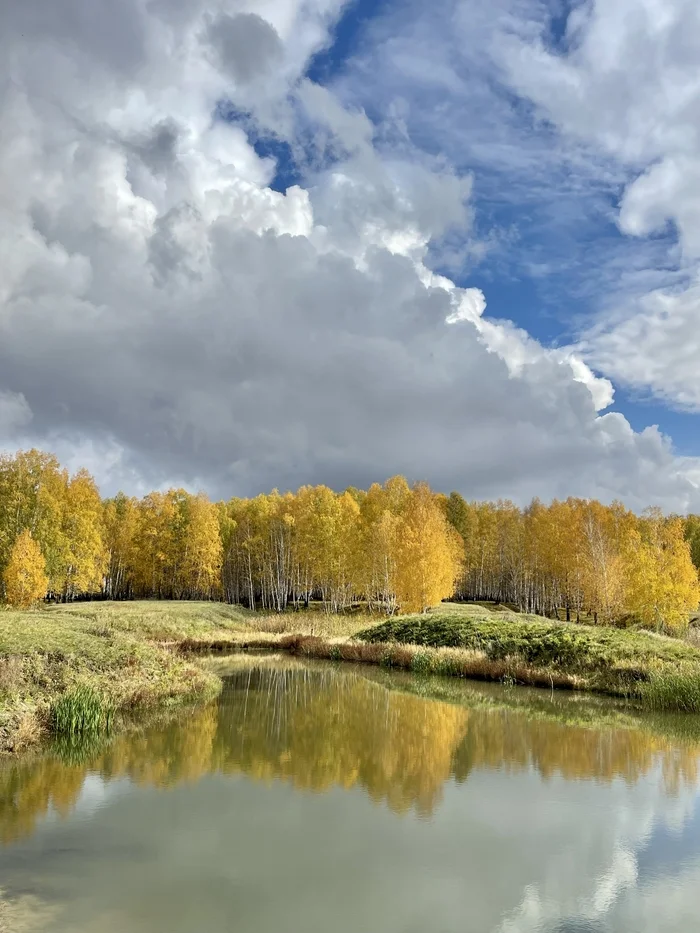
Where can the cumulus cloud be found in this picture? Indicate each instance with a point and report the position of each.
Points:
(167, 312)
(627, 83)
(248, 45)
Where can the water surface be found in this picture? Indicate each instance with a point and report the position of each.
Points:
(312, 799)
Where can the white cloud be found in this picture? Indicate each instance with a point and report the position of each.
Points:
(628, 84)
(168, 314)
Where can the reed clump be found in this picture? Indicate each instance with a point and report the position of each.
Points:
(82, 712)
(672, 691)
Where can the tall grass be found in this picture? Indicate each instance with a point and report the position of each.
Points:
(672, 690)
(82, 712)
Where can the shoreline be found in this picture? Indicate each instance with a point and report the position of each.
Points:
(145, 658)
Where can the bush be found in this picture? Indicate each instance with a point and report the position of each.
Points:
(583, 648)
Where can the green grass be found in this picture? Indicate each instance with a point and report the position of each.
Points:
(56, 660)
(672, 691)
(661, 673)
(82, 711)
(80, 668)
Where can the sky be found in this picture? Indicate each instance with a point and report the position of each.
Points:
(262, 243)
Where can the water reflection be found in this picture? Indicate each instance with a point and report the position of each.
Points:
(319, 728)
(500, 739)
(496, 812)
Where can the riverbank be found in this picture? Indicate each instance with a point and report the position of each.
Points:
(657, 672)
(119, 651)
(143, 656)
(130, 657)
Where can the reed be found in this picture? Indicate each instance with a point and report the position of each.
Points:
(672, 690)
(82, 712)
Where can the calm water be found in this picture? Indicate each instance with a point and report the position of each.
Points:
(316, 799)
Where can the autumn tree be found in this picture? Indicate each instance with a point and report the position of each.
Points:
(393, 547)
(429, 553)
(462, 517)
(329, 533)
(200, 567)
(25, 574)
(692, 536)
(662, 583)
(119, 521)
(83, 533)
(32, 496)
(606, 532)
(154, 546)
(378, 543)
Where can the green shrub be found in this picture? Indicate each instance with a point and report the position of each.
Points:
(575, 648)
(659, 672)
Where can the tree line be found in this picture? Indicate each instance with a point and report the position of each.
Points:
(392, 548)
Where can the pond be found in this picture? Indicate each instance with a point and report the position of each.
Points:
(316, 798)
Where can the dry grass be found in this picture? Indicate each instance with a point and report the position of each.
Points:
(320, 624)
(10, 675)
(22, 726)
(452, 662)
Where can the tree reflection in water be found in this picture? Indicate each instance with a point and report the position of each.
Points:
(319, 728)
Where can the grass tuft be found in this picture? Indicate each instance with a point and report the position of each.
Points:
(81, 712)
(423, 663)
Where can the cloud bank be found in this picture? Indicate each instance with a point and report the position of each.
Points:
(167, 315)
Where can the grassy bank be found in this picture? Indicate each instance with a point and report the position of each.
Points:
(661, 673)
(91, 665)
(86, 665)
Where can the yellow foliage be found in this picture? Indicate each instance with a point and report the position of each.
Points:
(393, 547)
(86, 557)
(662, 583)
(25, 575)
(428, 553)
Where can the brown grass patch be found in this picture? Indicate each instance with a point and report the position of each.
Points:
(447, 661)
(10, 674)
(23, 727)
